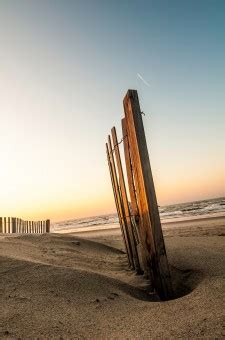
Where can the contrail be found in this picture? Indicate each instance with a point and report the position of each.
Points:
(144, 81)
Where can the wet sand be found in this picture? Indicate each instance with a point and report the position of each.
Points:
(78, 286)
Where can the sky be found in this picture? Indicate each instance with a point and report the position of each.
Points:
(65, 67)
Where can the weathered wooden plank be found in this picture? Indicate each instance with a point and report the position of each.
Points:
(132, 190)
(129, 171)
(120, 201)
(150, 227)
(125, 201)
(1, 227)
(116, 200)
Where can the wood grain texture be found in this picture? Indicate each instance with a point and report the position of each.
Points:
(128, 163)
(132, 190)
(150, 226)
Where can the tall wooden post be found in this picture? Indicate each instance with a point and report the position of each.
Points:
(132, 190)
(1, 229)
(150, 226)
(125, 202)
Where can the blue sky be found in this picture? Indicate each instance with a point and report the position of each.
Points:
(65, 67)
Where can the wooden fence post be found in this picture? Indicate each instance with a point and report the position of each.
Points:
(9, 225)
(117, 202)
(150, 226)
(125, 202)
(1, 229)
(5, 225)
(13, 225)
(47, 226)
(44, 226)
(121, 207)
(132, 190)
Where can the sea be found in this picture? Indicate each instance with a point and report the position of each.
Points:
(169, 213)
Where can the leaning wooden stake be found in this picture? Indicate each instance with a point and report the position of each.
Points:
(119, 200)
(125, 203)
(150, 226)
(133, 194)
(116, 198)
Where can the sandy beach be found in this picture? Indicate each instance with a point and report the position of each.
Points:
(78, 286)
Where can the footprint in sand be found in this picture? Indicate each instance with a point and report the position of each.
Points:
(112, 296)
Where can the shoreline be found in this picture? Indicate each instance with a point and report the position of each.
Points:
(219, 218)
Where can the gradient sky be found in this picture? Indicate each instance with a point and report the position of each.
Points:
(65, 67)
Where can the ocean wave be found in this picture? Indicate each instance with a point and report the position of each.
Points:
(191, 209)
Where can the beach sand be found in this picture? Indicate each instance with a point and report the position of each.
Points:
(79, 286)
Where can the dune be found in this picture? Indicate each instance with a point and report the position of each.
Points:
(78, 286)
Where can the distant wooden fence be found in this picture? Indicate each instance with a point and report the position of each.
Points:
(17, 225)
(139, 219)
